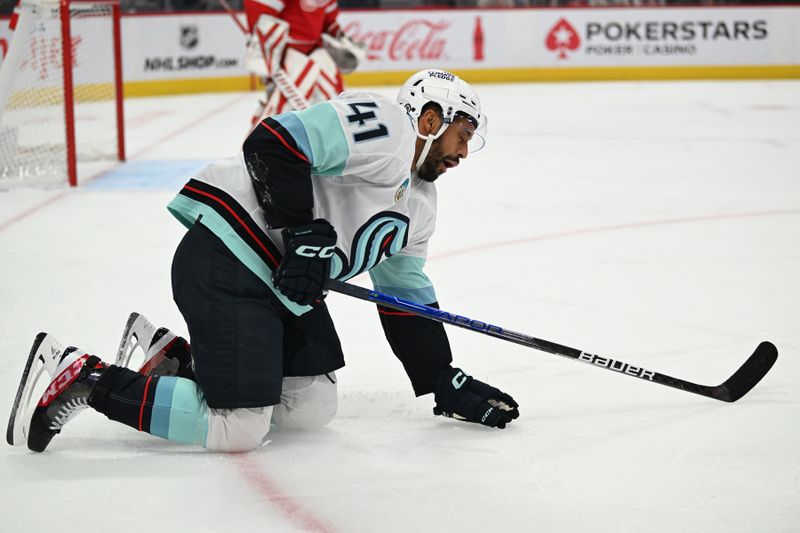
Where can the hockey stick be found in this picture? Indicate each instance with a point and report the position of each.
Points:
(736, 386)
(282, 81)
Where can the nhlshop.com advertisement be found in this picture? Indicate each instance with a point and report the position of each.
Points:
(181, 46)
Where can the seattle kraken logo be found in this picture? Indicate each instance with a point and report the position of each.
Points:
(383, 235)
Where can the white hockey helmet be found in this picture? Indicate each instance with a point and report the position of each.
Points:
(456, 99)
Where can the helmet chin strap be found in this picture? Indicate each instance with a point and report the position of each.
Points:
(428, 142)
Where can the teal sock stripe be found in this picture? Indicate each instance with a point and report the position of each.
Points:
(180, 413)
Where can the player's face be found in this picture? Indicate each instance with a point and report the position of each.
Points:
(448, 150)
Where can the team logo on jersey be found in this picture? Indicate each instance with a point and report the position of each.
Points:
(381, 236)
(401, 191)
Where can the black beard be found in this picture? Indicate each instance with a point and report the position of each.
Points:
(427, 172)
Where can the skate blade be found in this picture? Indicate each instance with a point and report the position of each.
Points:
(44, 357)
(138, 334)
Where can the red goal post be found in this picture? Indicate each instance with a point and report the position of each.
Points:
(61, 93)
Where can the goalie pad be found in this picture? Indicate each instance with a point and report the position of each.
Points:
(44, 360)
(346, 53)
(265, 46)
(315, 77)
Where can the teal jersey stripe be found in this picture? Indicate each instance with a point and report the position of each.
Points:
(179, 412)
(162, 404)
(424, 296)
(402, 276)
(188, 418)
(326, 139)
(187, 211)
(297, 131)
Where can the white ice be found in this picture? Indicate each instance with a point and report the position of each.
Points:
(656, 223)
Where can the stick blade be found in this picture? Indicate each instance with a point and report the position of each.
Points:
(748, 375)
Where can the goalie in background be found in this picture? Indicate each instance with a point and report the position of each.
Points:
(303, 39)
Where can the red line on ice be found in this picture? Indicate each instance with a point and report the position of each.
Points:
(16, 218)
(290, 507)
(615, 227)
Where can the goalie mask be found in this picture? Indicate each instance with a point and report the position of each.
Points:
(454, 96)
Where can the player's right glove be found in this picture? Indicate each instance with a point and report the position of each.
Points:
(460, 396)
(306, 261)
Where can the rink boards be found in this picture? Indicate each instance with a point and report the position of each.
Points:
(200, 52)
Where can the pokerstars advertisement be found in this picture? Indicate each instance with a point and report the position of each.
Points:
(502, 38)
(610, 37)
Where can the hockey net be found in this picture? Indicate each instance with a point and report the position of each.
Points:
(59, 103)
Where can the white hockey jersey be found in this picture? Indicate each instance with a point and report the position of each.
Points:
(360, 147)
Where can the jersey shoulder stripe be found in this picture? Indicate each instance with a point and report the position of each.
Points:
(285, 142)
(319, 134)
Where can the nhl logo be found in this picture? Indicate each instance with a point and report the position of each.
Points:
(190, 36)
(401, 191)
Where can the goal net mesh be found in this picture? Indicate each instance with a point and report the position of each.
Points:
(34, 99)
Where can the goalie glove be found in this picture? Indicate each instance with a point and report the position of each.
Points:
(462, 397)
(265, 46)
(346, 53)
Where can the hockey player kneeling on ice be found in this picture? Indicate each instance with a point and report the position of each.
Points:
(343, 187)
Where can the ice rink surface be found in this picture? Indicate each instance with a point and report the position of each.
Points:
(656, 223)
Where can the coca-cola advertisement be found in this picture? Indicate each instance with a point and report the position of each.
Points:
(412, 39)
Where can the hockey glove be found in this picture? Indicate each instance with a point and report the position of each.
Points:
(346, 53)
(306, 261)
(463, 397)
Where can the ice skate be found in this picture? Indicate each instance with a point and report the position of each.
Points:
(71, 374)
(43, 360)
(161, 352)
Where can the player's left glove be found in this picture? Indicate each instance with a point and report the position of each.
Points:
(306, 261)
(460, 396)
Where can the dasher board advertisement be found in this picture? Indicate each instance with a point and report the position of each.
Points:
(656, 37)
(181, 46)
(509, 38)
